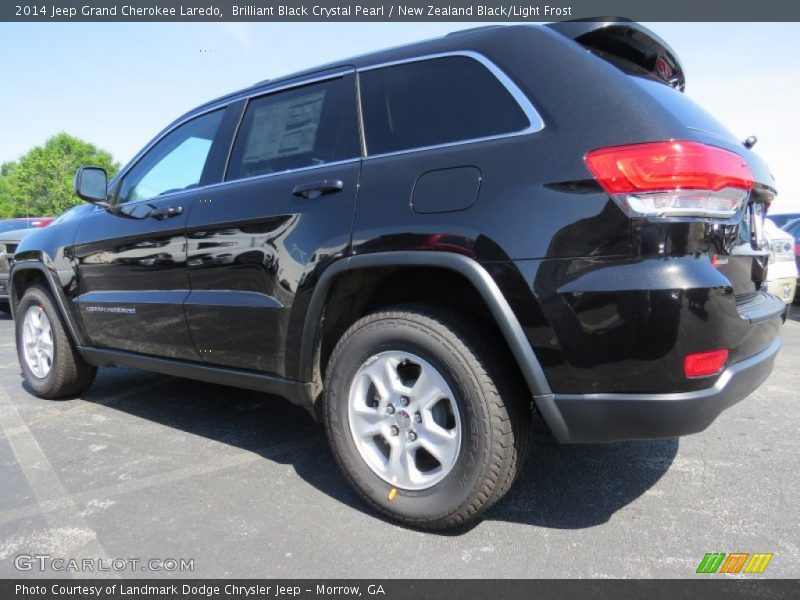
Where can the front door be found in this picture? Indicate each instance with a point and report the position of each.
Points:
(284, 211)
(131, 259)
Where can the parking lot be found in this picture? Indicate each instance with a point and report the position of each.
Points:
(148, 466)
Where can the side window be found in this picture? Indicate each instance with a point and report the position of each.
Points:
(301, 127)
(435, 101)
(175, 163)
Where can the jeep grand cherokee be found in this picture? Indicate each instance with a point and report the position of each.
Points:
(425, 246)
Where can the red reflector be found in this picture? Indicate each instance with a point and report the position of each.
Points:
(717, 261)
(797, 249)
(660, 166)
(704, 364)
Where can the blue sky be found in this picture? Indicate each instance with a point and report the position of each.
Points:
(117, 84)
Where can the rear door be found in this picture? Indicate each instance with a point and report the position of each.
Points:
(284, 212)
(131, 260)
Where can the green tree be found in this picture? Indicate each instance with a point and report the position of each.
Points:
(40, 182)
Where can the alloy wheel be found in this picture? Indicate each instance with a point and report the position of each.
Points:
(404, 420)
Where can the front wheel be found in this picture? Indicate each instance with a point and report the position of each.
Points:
(425, 416)
(50, 362)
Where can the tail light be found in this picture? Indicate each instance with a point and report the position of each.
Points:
(664, 179)
(718, 260)
(704, 364)
(797, 249)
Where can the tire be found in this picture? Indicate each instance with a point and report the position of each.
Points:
(487, 413)
(68, 373)
(5, 307)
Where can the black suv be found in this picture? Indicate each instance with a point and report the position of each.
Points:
(425, 247)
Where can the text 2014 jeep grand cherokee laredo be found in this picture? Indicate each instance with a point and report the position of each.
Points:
(424, 245)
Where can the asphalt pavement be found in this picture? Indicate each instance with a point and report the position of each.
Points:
(147, 467)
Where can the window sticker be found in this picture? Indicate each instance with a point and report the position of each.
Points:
(284, 128)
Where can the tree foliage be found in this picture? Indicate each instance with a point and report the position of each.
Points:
(40, 182)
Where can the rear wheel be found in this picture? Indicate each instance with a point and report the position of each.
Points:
(424, 415)
(50, 363)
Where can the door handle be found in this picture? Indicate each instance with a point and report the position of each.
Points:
(315, 189)
(166, 212)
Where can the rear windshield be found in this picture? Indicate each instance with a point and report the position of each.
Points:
(684, 109)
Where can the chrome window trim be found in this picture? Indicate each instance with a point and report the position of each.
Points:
(535, 121)
(211, 186)
(362, 135)
(282, 88)
(287, 172)
(248, 97)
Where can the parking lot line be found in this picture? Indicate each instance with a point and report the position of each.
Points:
(47, 487)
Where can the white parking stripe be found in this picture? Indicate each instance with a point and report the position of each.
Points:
(211, 466)
(62, 514)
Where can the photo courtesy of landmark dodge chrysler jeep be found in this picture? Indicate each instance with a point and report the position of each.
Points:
(427, 247)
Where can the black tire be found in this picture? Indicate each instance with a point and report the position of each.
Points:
(70, 374)
(5, 307)
(491, 398)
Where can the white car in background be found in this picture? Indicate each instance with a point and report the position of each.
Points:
(782, 271)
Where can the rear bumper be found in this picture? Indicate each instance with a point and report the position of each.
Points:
(596, 418)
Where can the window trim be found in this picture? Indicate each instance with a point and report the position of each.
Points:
(225, 104)
(535, 121)
(337, 74)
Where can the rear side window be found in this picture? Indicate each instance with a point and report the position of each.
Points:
(435, 101)
(302, 127)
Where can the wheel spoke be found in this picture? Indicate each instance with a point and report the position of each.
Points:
(47, 350)
(440, 442)
(378, 374)
(30, 328)
(368, 422)
(426, 390)
(402, 468)
(383, 374)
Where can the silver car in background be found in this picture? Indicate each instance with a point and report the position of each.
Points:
(782, 271)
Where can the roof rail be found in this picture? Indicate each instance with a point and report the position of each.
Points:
(472, 30)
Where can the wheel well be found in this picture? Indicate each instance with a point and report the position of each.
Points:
(22, 281)
(360, 292)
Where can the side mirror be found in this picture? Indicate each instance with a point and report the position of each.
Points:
(91, 184)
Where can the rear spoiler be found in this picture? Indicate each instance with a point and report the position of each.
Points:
(628, 45)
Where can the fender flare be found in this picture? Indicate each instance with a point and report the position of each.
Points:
(57, 291)
(501, 311)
